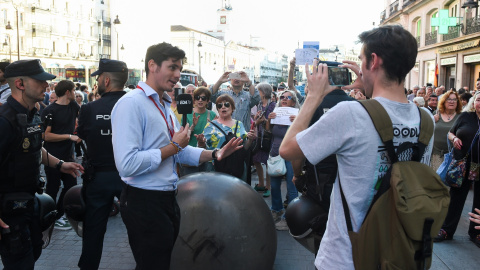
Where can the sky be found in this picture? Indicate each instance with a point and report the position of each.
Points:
(280, 25)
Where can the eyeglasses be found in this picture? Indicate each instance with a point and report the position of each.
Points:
(78, 96)
(286, 97)
(452, 99)
(204, 98)
(220, 105)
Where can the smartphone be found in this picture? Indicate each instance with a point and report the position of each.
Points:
(234, 75)
(339, 76)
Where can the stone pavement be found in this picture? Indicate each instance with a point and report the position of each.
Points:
(65, 248)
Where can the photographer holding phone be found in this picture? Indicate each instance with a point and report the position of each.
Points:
(244, 101)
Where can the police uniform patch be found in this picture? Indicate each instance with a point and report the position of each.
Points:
(19, 205)
(26, 143)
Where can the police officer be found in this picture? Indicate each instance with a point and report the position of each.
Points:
(21, 154)
(102, 182)
(320, 178)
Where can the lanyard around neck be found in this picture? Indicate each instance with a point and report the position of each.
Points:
(170, 130)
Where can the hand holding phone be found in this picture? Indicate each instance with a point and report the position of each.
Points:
(234, 76)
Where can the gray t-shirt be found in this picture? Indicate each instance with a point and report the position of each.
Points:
(348, 131)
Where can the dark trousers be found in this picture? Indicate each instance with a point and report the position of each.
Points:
(99, 196)
(152, 219)
(53, 185)
(457, 201)
(22, 247)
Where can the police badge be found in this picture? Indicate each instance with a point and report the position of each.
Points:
(26, 143)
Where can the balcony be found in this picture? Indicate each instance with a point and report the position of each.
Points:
(453, 32)
(393, 8)
(407, 2)
(105, 37)
(104, 56)
(41, 30)
(431, 38)
(418, 41)
(472, 25)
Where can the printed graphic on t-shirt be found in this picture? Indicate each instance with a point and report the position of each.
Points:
(404, 137)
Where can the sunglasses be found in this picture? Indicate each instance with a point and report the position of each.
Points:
(78, 96)
(204, 98)
(220, 105)
(286, 97)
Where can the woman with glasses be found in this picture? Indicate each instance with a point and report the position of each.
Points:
(286, 99)
(463, 136)
(197, 122)
(215, 137)
(449, 108)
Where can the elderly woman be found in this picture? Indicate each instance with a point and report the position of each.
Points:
(462, 136)
(216, 130)
(287, 99)
(79, 98)
(197, 122)
(449, 109)
(264, 108)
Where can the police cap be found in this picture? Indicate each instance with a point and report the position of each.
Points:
(108, 65)
(29, 68)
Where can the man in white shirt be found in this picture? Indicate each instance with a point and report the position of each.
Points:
(146, 149)
(348, 131)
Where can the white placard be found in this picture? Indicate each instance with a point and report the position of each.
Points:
(283, 115)
(304, 56)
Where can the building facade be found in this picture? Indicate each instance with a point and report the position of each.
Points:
(69, 37)
(210, 57)
(451, 59)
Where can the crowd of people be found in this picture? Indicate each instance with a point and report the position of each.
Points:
(133, 146)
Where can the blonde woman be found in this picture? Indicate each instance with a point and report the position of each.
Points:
(449, 109)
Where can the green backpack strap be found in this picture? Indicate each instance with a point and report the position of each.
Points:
(383, 125)
(426, 127)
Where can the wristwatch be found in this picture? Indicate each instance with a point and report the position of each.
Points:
(59, 165)
(214, 154)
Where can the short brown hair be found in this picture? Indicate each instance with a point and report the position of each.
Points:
(443, 99)
(202, 90)
(226, 98)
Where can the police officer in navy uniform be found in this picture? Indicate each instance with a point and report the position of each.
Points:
(325, 171)
(21, 154)
(94, 127)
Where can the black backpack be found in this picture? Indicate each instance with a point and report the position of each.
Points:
(233, 164)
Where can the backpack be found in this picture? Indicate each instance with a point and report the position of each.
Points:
(408, 209)
(233, 164)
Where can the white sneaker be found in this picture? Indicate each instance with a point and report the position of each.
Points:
(281, 225)
(62, 224)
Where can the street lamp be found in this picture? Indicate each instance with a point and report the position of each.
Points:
(9, 47)
(9, 27)
(199, 45)
(117, 22)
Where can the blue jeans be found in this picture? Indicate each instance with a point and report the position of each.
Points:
(276, 182)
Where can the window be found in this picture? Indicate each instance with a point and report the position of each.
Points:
(434, 15)
(419, 28)
(68, 48)
(20, 19)
(5, 18)
(453, 8)
(53, 46)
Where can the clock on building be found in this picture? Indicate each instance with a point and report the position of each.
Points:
(223, 19)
